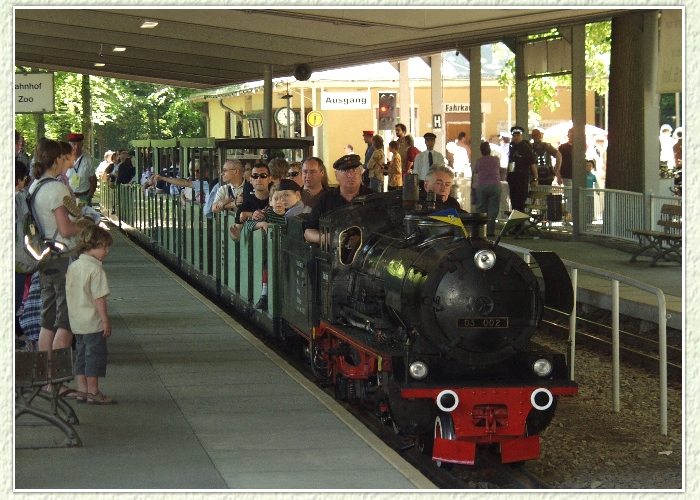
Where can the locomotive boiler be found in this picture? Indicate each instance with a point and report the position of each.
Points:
(429, 323)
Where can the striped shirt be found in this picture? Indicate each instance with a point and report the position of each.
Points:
(270, 217)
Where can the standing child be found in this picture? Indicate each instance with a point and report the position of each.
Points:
(591, 182)
(285, 201)
(394, 169)
(86, 290)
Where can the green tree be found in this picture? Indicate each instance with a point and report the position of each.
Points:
(542, 91)
(120, 111)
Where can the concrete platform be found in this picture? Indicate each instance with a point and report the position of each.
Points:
(203, 405)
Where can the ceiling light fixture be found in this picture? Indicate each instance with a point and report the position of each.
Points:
(149, 24)
(99, 65)
(118, 49)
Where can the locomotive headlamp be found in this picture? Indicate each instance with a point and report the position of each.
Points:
(485, 259)
(418, 370)
(542, 367)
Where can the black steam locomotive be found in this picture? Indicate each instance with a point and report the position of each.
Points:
(429, 324)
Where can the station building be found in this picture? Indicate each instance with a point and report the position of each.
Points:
(348, 102)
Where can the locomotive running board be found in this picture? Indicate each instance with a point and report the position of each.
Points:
(558, 290)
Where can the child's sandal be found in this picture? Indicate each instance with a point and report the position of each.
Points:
(100, 399)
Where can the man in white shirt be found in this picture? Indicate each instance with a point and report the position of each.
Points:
(427, 158)
(81, 176)
(458, 153)
(230, 194)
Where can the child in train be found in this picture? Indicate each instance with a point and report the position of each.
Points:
(86, 291)
(285, 201)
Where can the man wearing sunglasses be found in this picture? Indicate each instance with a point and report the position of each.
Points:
(260, 179)
(294, 173)
(348, 172)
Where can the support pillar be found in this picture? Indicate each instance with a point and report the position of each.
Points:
(267, 101)
(404, 100)
(578, 114)
(436, 99)
(521, 108)
(475, 102)
(650, 64)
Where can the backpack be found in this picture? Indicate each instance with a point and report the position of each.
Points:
(544, 161)
(32, 249)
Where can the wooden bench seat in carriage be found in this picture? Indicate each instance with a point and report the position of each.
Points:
(33, 371)
(662, 244)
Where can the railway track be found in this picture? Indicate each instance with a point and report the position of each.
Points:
(635, 348)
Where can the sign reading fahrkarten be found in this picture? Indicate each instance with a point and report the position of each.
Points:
(34, 93)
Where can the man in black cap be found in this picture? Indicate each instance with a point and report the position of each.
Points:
(82, 177)
(427, 158)
(348, 171)
(521, 164)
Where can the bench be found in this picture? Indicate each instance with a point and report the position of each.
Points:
(33, 371)
(662, 243)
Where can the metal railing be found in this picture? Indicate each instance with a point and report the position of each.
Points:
(615, 280)
(610, 213)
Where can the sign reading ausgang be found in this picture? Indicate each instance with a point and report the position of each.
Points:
(345, 100)
(34, 93)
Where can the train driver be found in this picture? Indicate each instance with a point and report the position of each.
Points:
(348, 171)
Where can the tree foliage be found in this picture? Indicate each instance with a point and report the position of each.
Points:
(121, 111)
(542, 91)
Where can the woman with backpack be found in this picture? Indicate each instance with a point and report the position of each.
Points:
(53, 218)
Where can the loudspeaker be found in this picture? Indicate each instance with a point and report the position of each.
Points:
(302, 72)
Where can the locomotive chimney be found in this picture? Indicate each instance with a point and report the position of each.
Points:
(410, 189)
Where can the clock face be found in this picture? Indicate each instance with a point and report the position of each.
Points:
(281, 116)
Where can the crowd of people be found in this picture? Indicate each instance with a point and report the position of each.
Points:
(64, 300)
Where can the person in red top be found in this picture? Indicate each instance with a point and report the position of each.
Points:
(411, 153)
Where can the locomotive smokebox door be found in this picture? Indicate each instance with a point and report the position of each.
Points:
(558, 290)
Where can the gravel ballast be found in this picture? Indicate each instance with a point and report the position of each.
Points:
(588, 446)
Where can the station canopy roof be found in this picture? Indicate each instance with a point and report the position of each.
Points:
(207, 48)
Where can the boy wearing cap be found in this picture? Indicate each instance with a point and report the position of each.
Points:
(521, 165)
(285, 201)
(81, 176)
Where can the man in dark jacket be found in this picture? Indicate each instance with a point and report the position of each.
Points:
(521, 165)
(127, 171)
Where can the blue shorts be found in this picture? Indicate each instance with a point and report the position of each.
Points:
(90, 355)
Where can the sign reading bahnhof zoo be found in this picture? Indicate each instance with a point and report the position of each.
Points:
(345, 100)
(34, 93)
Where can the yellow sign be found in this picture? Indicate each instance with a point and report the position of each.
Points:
(314, 119)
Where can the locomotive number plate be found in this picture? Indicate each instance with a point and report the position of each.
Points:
(498, 322)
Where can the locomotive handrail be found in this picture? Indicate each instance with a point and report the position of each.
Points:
(616, 279)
